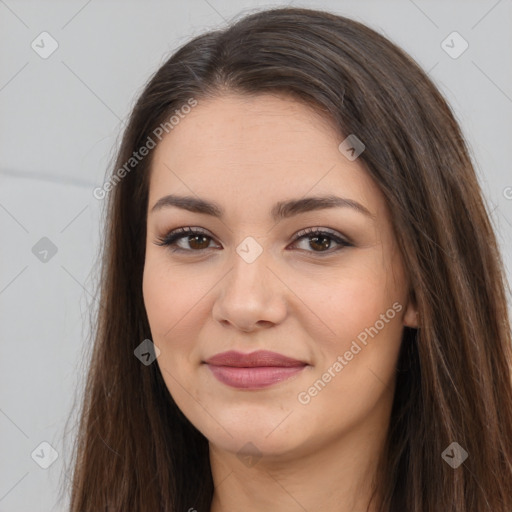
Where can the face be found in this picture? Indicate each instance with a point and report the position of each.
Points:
(261, 269)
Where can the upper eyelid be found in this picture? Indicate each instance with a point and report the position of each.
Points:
(184, 231)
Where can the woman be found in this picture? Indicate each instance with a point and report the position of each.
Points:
(303, 302)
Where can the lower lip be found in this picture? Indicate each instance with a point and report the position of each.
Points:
(253, 378)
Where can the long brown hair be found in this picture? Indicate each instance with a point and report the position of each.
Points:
(135, 451)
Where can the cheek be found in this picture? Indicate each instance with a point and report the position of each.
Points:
(158, 294)
(177, 306)
(361, 316)
(167, 301)
(170, 296)
(353, 381)
(345, 302)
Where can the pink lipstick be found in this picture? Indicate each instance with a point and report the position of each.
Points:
(255, 370)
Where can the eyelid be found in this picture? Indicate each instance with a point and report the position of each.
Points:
(324, 230)
(177, 234)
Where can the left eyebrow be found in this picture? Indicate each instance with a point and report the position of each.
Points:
(281, 210)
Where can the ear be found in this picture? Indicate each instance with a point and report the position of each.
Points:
(411, 314)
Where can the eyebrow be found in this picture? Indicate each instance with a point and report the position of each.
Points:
(281, 210)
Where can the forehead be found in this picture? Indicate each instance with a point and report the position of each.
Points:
(255, 150)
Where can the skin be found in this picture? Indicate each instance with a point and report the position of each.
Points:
(298, 299)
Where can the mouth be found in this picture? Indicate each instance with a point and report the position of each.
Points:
(257, 370)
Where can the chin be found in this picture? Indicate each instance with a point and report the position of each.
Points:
(252, 443)
(261, 436)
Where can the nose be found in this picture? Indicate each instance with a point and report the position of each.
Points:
(251, 296)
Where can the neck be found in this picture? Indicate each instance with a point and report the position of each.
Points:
(336, 477)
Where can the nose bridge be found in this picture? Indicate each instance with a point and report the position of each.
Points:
(247, 295)
(250, 263)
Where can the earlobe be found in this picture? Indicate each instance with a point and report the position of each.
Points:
(411, 316)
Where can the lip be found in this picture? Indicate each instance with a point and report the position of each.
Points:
(255, 370)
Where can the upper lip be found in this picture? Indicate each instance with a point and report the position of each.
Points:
(258, 358)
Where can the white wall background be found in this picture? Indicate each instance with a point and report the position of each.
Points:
(59, 121)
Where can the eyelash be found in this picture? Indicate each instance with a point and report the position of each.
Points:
(171, 238)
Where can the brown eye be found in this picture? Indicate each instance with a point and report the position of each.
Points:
(320, 241)
(179, 239)
(198, 241)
